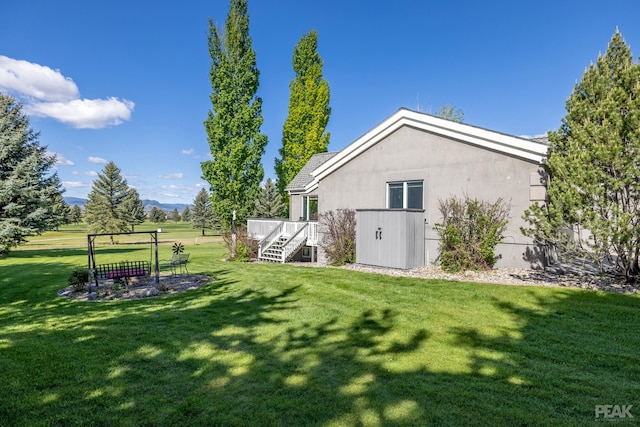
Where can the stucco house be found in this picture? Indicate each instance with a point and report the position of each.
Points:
(407, 163)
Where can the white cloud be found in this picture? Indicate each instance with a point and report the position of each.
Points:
(189, 151)
(173, 187)
(178, 175)
(85, 113)
(75, 184)
(36, 81)
(99, 160)
(47, 93)
(88, 173)
(60, 160)
(202, 185)
(171, 196)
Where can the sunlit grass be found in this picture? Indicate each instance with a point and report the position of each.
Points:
(272, 344)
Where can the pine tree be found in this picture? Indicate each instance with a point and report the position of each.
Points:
(186, 214)
(102, 211)
(269, 204)
(75, 216)
(233, 125)
(202, 215)
(304, 132)
(60, 212)
(28, 187)
(157, 215)
(594, 167)
(132, 209)
(175, 215)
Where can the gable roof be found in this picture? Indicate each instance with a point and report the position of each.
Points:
(522, 148)
(302, 180)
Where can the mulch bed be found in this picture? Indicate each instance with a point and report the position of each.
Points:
(139, 287)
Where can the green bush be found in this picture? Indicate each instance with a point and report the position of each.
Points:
(79, 278)
(246, 246)
(469, 233)
(339, 236)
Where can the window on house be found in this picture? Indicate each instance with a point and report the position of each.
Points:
(309, 208)
(396, 195)
(405, 195)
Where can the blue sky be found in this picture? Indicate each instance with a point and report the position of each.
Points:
(127, 81)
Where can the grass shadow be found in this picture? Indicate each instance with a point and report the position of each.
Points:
(272, 345)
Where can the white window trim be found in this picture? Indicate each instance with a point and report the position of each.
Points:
(304, 213)
(405, 192)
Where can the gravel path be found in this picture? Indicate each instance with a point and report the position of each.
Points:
(508, 276)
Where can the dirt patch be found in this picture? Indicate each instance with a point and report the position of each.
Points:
(137, 287)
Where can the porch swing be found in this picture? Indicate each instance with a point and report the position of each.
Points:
(123, 269)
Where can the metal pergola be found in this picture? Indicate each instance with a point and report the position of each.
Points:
(91, 261)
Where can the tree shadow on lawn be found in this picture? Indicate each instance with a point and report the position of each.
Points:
(30, 273)
(229, 355)
(570, 352)
(72, 252)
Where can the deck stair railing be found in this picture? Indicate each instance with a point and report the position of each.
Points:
(283, 239)
(270, 238)
(294, 243)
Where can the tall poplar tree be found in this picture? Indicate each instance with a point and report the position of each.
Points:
(233, 125)
(102, 211)
(593, 168)
(304, 132)
(28, 188)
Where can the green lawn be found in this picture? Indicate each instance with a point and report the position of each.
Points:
(272, 344)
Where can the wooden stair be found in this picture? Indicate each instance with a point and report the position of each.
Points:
(274, 252)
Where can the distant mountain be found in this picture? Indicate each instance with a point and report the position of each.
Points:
(74, 201)
(148, 204)
(167, 207)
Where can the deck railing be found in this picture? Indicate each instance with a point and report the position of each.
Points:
(259, 228)
(268, 230)
(295, 242)
(271, 237)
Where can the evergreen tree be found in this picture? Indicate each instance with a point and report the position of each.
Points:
(594, 167)
(175, 215)
(132, 209)
(269, 204)
(75, 216)
(157, 215)
(233, 125)
(186, 214)
(202, 215)
(304, 132)
(60, 212)
(28, 188)
(102, 211)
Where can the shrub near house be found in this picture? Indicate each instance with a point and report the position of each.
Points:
(469, 233)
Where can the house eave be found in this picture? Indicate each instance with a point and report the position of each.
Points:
(502, 143)
(313, 185)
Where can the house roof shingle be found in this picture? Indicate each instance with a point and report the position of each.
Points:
(304, 177)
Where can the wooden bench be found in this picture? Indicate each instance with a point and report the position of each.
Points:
(122, 270)
(177, 261)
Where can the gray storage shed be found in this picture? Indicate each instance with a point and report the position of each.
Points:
(390, 237)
